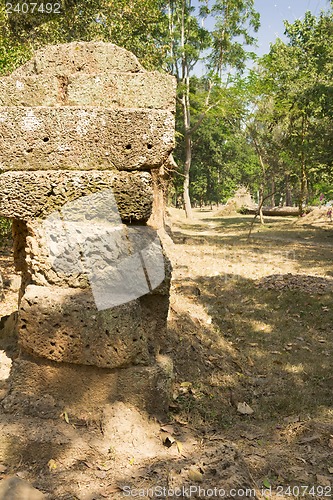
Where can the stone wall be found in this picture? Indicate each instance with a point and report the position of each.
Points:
(84, 134)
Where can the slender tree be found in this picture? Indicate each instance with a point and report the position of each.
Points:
(190, 42)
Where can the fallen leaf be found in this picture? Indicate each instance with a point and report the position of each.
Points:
(101, 474)
(292, 419)
(168, 428)
(65, 415)
(330, 443)
(250, 361)
(22, 474)
(251, 436)
(244, 409)
(52, 465)
(330, 470)
(180, 421)
(266, 483)
(195, 475)
(179, 446)
(88, 464)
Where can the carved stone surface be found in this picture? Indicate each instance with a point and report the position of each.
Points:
(43, 388)
(29, 91)
(120, 263)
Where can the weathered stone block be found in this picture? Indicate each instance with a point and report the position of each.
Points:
(27, 195)
(43, 388)
(64, 325)
(151, 90)
(14, 488)
(78, 249)
(29, 91)
(73, 138)
(42, 268)
(87, 57)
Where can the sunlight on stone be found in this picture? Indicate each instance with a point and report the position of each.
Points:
(5, 365)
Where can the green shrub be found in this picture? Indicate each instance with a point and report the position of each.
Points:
(5, 228)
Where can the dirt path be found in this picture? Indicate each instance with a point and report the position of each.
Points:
(250, 334)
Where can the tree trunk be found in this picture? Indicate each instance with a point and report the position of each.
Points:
(289, 201)
(261, 202)
(303, 193)
(186, 185)
(272, 201)
(304, 181)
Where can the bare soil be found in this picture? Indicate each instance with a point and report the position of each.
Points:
(250, 334)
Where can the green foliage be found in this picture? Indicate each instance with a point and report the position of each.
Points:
(5, 228)
(235, 20)
(293, 98)
(137, 25)
(222, 157)
(214, 96)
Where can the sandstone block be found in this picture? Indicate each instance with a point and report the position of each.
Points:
(73, 138)
(43, 388)
(151, 90)
(64, 325)
(88, 57)
(27, 195)
(14, 488)
(78, 247)
(29, 91)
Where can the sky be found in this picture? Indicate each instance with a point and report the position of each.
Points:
(272, 14)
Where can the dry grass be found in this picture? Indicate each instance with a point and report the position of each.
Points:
(253, 321)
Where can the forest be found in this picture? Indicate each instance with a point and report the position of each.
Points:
(263, 123)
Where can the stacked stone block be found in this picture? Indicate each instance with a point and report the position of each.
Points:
(84, 134)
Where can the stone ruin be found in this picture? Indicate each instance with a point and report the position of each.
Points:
(84, 134)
